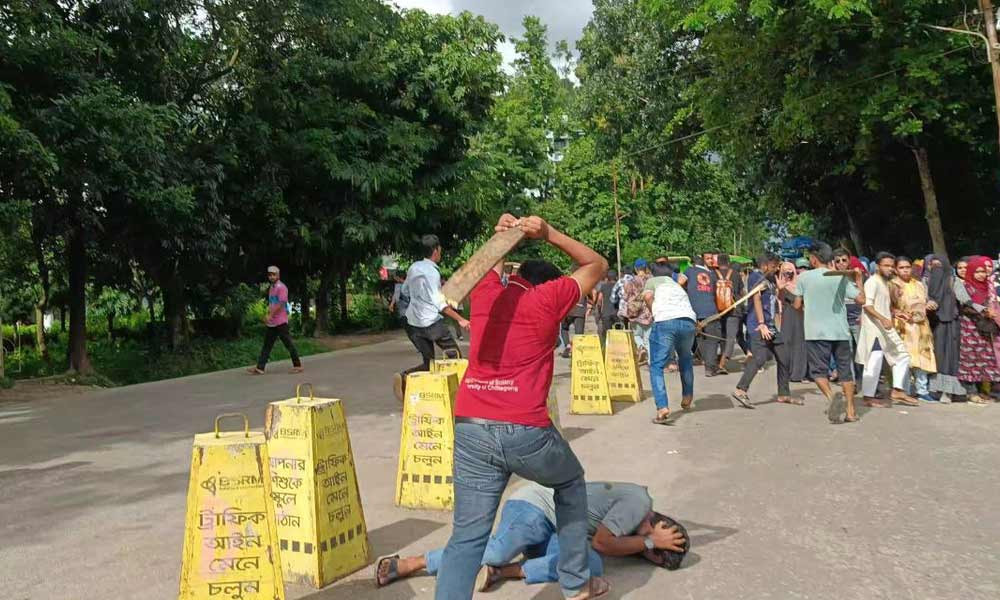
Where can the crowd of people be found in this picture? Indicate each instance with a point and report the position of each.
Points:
(827, 318)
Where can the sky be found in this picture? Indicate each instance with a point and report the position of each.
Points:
(564, 18)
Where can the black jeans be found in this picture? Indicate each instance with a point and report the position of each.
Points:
(708, 346)
(762, 351)
(603, 325)
(732, 325)
(424, 338)
(273, 333)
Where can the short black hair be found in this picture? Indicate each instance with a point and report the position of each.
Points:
(671, 560)
(766, 258)
(723, 260)
(611, 274)
(698, 260)
(901, 258)
(884, 255)
(661, 270)
(841, 252)
(428, 244)
(822, 251)
(537, 272)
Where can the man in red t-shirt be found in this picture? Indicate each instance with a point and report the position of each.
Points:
(502, 424)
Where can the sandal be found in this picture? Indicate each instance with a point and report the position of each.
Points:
(742, 397)
(391, 575)
(978, 400)
(853, 419)
(662, 418)
(686, 403)
(597, 587)
(296, 370)
(904, 399)
(488, 577)
(255, 371)
(790, 400)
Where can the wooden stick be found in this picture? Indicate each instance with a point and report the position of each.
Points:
(849, 273)
(472, 272)
(758, 288)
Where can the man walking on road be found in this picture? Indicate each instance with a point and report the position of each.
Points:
(700, 287)
(827, 334)
(277, 324)
(425, 323)
(502, 424)
(607, 312)
(729, 279)
(764, 337)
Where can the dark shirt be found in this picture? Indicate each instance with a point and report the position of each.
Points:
(738, 292)
(607, 306)
(767, 302)
(701, 291)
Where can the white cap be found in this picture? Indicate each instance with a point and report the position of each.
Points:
(273, 269)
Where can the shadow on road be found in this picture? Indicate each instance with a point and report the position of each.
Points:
(390, 538)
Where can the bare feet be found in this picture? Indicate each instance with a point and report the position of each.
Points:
(295, 370)
(597, 588)
(873, 402)
(255, 371)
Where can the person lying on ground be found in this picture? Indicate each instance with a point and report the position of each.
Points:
(621, 522)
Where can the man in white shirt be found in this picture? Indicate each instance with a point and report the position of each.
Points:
(424, 321)
(674, 330)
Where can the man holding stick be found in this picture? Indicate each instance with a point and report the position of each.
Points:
(502, 424)
(827, 334)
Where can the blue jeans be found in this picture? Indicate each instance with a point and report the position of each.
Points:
(674, 335)
(523, 529)
(485, 457)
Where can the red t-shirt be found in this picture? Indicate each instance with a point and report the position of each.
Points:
(511, 348)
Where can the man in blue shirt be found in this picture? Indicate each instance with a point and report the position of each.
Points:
(765, 339)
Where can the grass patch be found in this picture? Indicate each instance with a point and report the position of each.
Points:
(127, 362)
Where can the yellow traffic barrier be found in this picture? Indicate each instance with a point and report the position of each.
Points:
(624, 383)
(314, 489)
(589, 381)
(426, 442)
(230, 538)
(451, 363)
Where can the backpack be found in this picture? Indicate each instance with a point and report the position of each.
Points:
(634, 302)
(724, 291)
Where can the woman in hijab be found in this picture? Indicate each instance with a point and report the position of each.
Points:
(793, 330)
(946, 327)
(979, 355)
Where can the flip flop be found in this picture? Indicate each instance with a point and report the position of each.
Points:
(488, 577)
(255, 371)
(743, 399)
(686, 404)
(790, 400)
(296, 370)
(664, 420)
(393, 573)
(853, 419)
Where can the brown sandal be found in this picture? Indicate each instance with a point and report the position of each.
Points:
(597, 587)
(255, 371)
(392, 574)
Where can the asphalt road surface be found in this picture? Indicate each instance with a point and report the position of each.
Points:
(779, 503)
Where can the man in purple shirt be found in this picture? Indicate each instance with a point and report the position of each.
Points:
(277, 324)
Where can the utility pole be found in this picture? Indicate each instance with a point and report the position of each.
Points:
(618, 217)
(989, 18)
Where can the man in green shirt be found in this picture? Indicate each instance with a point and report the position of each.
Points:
(826, 331)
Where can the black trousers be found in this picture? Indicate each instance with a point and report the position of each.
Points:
(424, 339)
(603, 325)
(708, 346)
(762, 351)
(273, 333)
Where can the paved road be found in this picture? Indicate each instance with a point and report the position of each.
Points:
(779, 503)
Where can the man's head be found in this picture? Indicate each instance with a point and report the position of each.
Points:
(668, 559)
(802, 264)
(699, 261)
(820, 255)
(640, 266)
(841, 260)
(273, 274)
(768, 263)
(612, 275)
(904, 267)
(399, 275)
(885, 264)
(709, 259)
(722, 261)
(430, 247)
(661, 270)
(537, 272)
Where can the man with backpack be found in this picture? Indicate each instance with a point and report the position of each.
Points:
(728, 289)
(604, 308)
(635, 309)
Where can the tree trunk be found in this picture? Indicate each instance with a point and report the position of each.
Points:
(62, 318)
(932, 214)
(42, 305)
(855, 229)
(111, 325)
(343, 294)
(151, 326)
(79, 361)
(323, 302)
